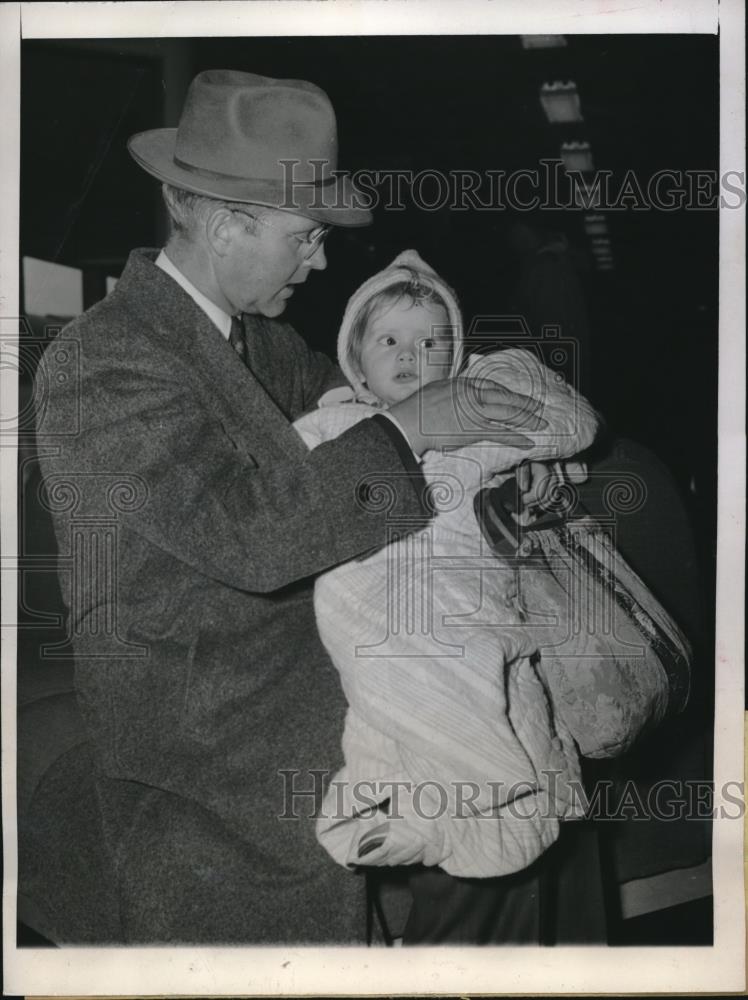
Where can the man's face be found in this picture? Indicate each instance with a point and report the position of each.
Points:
(266, 259)
(404, 348)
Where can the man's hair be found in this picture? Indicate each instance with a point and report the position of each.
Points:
(414, 289)
(184, 208)
(187, 209)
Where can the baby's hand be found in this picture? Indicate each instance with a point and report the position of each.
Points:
(394, 843)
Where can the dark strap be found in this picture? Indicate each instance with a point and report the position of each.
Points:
(405, 453)
(374, 908)
(495, 507)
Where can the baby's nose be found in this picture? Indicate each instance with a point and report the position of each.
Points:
(406, 353)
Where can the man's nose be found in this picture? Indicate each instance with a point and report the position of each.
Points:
(318, 260)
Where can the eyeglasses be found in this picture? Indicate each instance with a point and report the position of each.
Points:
(309, 243)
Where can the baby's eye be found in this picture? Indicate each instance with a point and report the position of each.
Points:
(389, 341)
(428, 343)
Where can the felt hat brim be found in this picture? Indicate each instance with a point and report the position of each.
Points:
(336, 202)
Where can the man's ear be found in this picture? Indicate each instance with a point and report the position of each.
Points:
(220, 230)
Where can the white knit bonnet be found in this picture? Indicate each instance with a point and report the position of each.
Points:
(401, 269)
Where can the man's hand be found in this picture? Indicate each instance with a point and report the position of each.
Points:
(541, 484)
(461, 411)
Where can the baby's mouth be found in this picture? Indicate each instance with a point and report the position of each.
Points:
(405, 376)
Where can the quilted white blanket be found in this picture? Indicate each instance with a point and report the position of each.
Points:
(448, 718)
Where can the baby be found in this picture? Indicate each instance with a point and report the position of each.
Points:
(449, 727)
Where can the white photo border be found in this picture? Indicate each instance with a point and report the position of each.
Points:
(348, 971)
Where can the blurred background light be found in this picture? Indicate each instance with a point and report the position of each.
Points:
(586, 194)
(595, 225)
(52, 289)
(560, 102)
(577, 156)
(543, 41)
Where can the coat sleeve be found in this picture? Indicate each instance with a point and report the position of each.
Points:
(249, 522)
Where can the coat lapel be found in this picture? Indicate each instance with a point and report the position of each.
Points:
(177, 323)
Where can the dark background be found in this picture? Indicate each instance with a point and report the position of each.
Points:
(650, 330)
(433, 103)
(441, 103)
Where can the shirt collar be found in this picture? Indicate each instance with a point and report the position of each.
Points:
(214, 313)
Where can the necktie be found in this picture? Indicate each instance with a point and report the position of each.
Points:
(236, 338)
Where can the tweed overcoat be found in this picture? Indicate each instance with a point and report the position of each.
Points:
(191, 520)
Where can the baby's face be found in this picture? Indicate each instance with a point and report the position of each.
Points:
(404, 348)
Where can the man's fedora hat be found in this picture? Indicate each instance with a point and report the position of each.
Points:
(253, 139)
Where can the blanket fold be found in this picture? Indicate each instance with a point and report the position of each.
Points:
(446, 704)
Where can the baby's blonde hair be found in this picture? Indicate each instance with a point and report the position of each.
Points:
(415, 288)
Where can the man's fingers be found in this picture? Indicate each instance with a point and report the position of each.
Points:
(501, 414)
(576, 472)
(495, 402)
(506, 407)
(538, 483)
(523, 477)
(510, 438)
